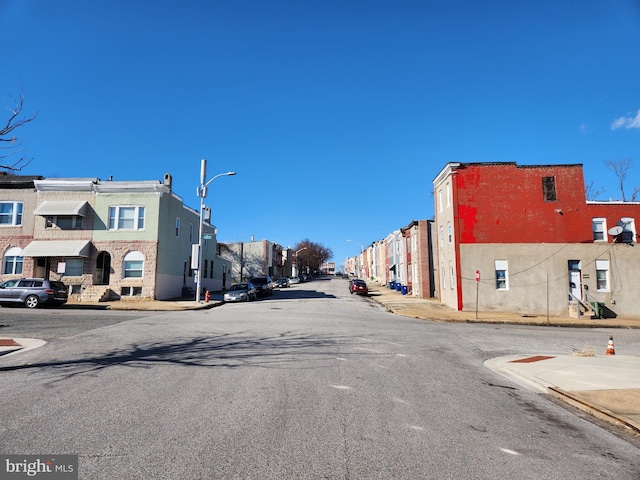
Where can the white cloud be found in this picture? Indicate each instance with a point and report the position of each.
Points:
(626, 122)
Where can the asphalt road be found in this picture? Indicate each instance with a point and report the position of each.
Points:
(309, 383)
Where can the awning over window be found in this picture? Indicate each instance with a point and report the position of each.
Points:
(51, 209)
(57, 248)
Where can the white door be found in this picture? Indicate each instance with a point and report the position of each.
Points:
(575, 285)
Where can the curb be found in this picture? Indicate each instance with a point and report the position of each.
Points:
(594, 411)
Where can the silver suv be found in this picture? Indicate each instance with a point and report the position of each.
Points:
(33, 292)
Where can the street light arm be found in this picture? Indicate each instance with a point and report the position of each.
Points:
(228, 174)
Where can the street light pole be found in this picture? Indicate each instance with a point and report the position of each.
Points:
(361, 255)
(298, 251)
(202, 193)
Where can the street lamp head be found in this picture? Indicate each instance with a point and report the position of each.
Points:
(231, 173)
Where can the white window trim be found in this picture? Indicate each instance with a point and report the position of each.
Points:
(133, 256)
(603, 266)
(15, 253)
(629, 226)
(502, 265)
(594, 223)
(136, 219)
(17, 214)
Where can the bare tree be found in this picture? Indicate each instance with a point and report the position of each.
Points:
(621, 168)
(591, 192)
(313, 255)
(10, 158)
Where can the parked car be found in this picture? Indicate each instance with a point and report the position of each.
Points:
(33, 292)
(294, 280)
(358, 286)
(241, 292)
(282, 282)
(264, 285)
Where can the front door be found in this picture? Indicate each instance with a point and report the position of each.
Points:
(102, 273)
(575, 283)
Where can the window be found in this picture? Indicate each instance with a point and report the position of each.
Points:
(177, 227)
(444, 278)
(206, 268)
(133, 265)
(453, 278)
(549, 189)
(628, 230)
(599, 227)
(448, 195)
(191, 233)
(64, 222)
(502, 278)
(73, 267)
(131, 291)
(440, 200)
(126, 218)
(10, 213)
(602, 275)
(450, 232)
(12, 261)
(442, 235)
(211, 271)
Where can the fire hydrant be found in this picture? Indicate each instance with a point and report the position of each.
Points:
(207, 296)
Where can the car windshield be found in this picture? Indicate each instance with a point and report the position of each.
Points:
(259, 281)
(239, 286)
(359, 282)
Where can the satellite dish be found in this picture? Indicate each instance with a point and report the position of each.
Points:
(615, 231)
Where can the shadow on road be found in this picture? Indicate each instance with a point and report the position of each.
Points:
(222, 351)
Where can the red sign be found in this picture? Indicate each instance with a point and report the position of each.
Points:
(477, 275)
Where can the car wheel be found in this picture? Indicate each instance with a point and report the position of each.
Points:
(351, 292)
(32, 301)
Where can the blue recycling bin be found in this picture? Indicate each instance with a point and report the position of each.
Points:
(404, 289)
(398, 287)
(392, 285)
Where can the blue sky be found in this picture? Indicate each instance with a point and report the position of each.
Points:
(336, 115)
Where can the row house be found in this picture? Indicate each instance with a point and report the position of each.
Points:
(525, 239)
(105, 239)
(402, 259)
(256, 259)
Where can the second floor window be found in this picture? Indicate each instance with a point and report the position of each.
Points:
(599, 229)
(126, 218)
(10, 213)
(64, 222)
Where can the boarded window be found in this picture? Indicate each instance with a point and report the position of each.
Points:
(549, 189)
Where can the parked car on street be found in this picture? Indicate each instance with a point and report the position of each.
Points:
(241, 292)
(358, 286)
(33, 292)
(283, 282)
(294, 280)
(264, 285)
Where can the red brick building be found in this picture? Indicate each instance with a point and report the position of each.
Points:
(536, 242)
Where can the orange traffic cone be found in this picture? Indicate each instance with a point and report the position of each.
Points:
(610, 348)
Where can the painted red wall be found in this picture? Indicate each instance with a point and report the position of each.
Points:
(503, 203)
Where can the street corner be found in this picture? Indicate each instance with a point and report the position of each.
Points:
(11, 346)
(513, 367)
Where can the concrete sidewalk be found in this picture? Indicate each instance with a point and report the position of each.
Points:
(607, 387)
